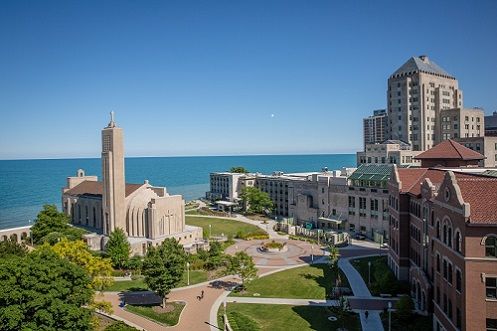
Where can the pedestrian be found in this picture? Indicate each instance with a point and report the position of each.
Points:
(202, 295)
(366, 314)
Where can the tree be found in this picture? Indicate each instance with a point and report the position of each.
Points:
(404, 308)
(135, 263)
(239, 170)
(10, 247)
(333, 257)
(51, 225)
(163, 267)
(215, 256)
(243, 265)
(99, 269)
(341, 310)
(118, 248)
(45, 292)
(255, 200)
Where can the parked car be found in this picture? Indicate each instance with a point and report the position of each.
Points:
(359, 236)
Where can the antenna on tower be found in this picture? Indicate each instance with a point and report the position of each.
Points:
(112, 123)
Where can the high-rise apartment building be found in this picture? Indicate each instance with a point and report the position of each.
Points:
(416, 94)
(376, 127)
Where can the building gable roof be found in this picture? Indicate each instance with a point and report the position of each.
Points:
(90, 187)
(421, 64)
(481, 194)
(449, 149)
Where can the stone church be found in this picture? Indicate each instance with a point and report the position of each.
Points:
(146, 213)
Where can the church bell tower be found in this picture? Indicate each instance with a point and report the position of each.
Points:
(113, 178)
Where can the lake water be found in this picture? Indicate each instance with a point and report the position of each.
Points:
(26, 185)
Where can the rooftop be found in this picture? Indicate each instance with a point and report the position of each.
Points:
(421, 64)
(479, 191)
(372, 172)
(96, 188)
(449, 149)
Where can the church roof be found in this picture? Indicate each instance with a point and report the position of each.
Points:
(449, 149)
(97, 188)
(421, 64)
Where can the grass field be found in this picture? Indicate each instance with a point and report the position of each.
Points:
(309, 282)
(221, 226)
(196, 276)
(285, 318)
(168, 319)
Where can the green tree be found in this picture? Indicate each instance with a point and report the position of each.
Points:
(243, 265)
(333, 258)
(99, 269)
(45, 292)
(256, 201)
(11, 247)
(404, 307)
(51, 225)
(239, 170)
(163, 267)
(118, 248)
(135, 263)
(215, 256)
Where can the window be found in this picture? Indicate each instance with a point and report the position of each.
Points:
(491, 247)
(458, 280)
(491, 324)
(445, 269)
(491, 287)
(457, 240)
(458, 318)
(449, 276)
(438, 263)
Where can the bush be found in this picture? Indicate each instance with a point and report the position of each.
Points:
(118, 273)
(404, 307)
(241, 322)
(257, 235)
(119, 326)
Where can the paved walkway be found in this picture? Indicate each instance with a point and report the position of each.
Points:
(361, 291)
(283, 301)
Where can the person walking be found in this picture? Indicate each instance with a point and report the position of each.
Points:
(366, 313)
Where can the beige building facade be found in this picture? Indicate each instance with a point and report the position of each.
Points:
(461, 123)
(147, 214)
(417, 92)
(388, 152)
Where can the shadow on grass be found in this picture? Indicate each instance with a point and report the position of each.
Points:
(317, 317)
(328, 281)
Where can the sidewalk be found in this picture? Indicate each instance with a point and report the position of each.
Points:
(283, 301)
(361, 291)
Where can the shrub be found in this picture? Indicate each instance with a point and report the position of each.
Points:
(404, 307)
(241, 322)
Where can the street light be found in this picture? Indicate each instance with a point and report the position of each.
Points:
(210, 231)
(188, 273)
(369, 273)
(312, 253)
(30, 233)
(389, 316)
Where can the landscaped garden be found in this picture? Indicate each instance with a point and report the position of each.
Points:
(168, 316)
(229, 228)
(138, 283)
(253, 317)
(383, 280)
(309, 282)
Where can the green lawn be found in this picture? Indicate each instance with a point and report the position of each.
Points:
(221, 226)
(253, 317)
(196, 276)
(168, 319)
(382, 278)
(309, 282)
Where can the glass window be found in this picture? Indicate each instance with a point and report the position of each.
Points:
(491, 287)
(491, 247)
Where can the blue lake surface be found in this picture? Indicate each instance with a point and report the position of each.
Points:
(26, 185)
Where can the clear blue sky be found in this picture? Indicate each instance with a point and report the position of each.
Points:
(204, 77)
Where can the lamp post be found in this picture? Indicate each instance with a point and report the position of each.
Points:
(210, 231)
(312, 253)
(188, 273)
(369, 273)
(30, 233)
(389, 316)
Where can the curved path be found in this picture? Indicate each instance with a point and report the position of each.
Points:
(202, 315)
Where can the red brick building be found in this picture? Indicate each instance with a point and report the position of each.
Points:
(443, 240)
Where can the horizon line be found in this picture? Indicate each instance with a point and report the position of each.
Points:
(171, 156)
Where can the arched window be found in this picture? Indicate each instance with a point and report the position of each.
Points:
(445, 233)
(458, 240)
(449, 237)
(491, 246)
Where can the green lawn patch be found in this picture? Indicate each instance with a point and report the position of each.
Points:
(309, 282)
(383, 279)
(285, 317)
(169, 318)
(196, 276)
(221, 226)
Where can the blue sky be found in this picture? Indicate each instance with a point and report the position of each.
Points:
(204, 77)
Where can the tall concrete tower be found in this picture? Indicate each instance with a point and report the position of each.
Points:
(113, 177)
